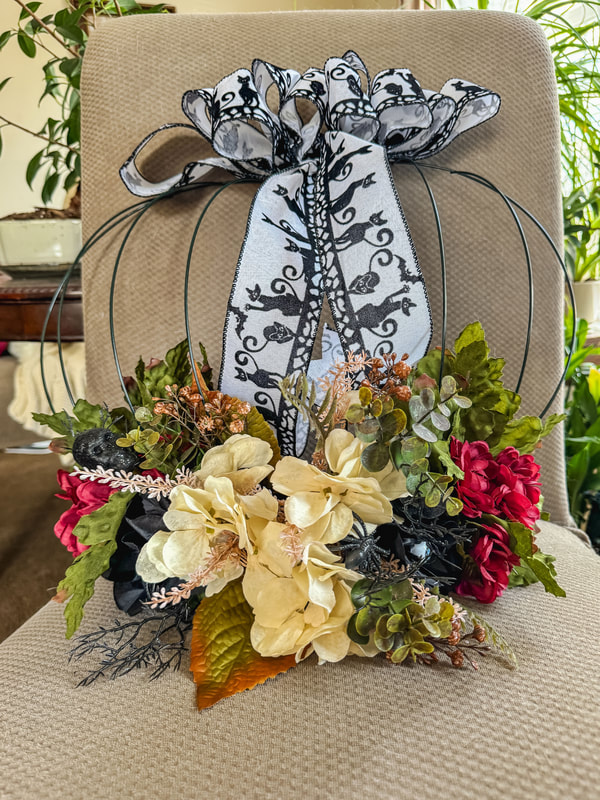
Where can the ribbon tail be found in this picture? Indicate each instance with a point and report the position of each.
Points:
(275, 303)
(371, 274)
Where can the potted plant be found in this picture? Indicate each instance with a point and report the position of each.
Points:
(582, 431)
(582, 251)
(46, 235)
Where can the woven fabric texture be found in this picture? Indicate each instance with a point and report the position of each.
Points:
(135, 73)
(362, 728)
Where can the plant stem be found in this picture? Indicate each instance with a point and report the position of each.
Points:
(39, 43)
(118, 7)
(43, 25)
(38, 135)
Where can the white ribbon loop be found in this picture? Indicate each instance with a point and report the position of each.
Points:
(327, 219)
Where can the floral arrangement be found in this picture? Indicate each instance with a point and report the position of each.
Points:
(420, 488)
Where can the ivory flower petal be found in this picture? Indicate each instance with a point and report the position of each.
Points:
(343, 453)
(183, 551)
(296, 610)
(150, 569)
(243, 459)
(323, 505)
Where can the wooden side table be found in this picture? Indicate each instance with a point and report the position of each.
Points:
(24, 303)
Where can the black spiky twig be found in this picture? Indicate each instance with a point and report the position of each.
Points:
(156, 641)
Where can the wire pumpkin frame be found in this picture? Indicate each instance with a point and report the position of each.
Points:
(139, 209)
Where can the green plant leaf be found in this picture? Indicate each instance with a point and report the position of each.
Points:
(375, 457)
(521, 539)
(257, 426)
(99, 529)
(33, 167)
(545, 572)
(50, 186)
(26, 44)
(472, 333)
(32, 7)
(5, 37)
(441, 448)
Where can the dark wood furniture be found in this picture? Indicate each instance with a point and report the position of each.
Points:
(24, 302)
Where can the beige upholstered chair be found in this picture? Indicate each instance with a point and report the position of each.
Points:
(359, 729)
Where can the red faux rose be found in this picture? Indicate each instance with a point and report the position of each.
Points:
(507, 486)
(85, 496)
(489, 566)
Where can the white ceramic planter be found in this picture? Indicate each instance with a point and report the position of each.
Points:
(587, 300)
(39, 242)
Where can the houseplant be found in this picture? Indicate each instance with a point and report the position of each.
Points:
(582, 432)
(51, 235)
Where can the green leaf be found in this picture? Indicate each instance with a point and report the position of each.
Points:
(4, 82)
(257, 426)
(5, 37)
(33, 167)
(32, 7)
(89, 416)
(99, 530)
(26, 44)
(522, 575)
(545, 572)
(494, 638)
(50, 186)
(424, 433)
(523, 433)
(102, 525)
(354, 634)
(441, 448)
(375, 457)
(472, 333)
(521, 539)
(59, 422)
(71, 33)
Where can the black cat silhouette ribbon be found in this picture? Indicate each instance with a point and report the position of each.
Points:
(326, 219)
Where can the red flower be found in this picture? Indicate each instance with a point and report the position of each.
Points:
(489, 566)
(85, 496)
(507, 486)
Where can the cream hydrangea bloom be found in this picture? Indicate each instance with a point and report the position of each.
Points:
(243, 459)
(343, 451)
(199, 522)
(322, 505)
(299, 608)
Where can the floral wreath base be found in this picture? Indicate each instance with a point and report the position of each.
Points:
(421, 487)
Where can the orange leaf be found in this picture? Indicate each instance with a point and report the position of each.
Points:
(223, 660)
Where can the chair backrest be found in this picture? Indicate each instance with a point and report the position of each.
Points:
(135, 72)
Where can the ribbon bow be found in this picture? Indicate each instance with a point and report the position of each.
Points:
(326, 219)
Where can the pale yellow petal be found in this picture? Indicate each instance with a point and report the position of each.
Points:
(149, 568)
(278, 599)
(262, 504)
(280, 641)
(293, 475)
(332, 646)
(244, 480)
(338, 447)
(184, 551)
(305, 508)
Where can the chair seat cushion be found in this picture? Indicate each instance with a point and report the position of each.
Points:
(362, 728)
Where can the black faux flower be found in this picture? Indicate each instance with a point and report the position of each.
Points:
(143, 519)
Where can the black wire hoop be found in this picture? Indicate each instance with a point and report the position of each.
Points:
(139, 209)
